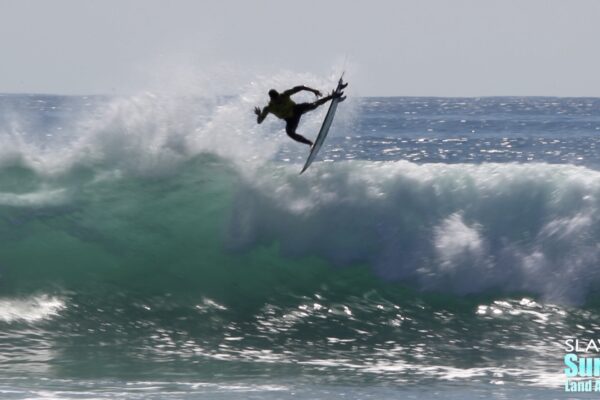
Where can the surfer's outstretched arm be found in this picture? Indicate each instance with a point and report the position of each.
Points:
(297, 89)
(261, 115)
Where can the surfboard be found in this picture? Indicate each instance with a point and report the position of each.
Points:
(325, 126)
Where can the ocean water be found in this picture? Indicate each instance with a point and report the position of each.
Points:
(164, 246)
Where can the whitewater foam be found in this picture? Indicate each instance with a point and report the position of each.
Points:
(30, 309)
(464, 227)
(37, 198)
(153, 132)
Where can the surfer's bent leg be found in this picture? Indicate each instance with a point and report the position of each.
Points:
(290, 129)
(322, 101)
(306, 107)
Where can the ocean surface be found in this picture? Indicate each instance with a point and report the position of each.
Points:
(164, 246)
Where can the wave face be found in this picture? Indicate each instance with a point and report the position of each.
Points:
(457, 228)
(172, 235)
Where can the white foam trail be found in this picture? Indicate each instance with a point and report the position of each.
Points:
(43, 197)
(30, 309)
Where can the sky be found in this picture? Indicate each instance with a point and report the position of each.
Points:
(389, 47)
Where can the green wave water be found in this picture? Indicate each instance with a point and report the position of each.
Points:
(133, 277)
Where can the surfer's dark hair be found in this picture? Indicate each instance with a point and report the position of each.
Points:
(273, 93)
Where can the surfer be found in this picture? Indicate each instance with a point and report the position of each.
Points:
(283, 107)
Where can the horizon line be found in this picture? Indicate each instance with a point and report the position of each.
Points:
(359, 97)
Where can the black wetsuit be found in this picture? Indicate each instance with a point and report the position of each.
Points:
(290, 112)
(291, 123)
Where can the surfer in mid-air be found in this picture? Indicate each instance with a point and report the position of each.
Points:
(283, 107)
